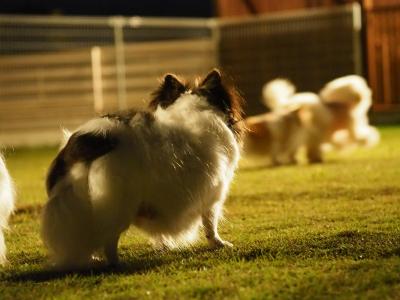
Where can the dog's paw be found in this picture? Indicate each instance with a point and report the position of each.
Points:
(4, 262)
(218, 243)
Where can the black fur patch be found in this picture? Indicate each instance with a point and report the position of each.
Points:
(147, 117)
(166, 94)
(80, 148)
(124, 116)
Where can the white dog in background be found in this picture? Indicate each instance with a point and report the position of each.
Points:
(353, 92)
(279, 134)
(166, 170)
(337, 115)
(6, 206)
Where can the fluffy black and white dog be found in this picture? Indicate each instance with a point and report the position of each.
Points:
(166, 170)
(6, 205)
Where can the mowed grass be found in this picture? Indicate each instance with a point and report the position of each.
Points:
(329, 231)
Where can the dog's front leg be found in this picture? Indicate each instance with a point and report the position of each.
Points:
(111, 251)
(210, 220)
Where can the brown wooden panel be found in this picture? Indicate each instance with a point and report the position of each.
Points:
(380, 4)
(232, 8)
(383, 36)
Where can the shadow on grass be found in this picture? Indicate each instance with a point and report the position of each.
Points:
(49, 274)
(351, 244)
(253, 167)
(145, 262)
(29, 209)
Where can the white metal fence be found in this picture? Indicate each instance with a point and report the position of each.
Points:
(60, 71)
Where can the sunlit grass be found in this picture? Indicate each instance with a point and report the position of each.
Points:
(328, 231)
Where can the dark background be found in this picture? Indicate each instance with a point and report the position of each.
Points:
(165, 8)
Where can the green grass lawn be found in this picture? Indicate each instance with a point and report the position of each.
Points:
(328, 231)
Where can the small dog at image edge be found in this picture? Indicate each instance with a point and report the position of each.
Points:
(166, 170)
(6, 206)
(275, 135)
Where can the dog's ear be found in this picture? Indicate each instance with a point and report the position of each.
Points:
(221, 94)
(215, 91)
(172, 84)
(169, 90)
(212, 81)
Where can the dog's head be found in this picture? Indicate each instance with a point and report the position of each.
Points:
(214, 88)
(225, 98)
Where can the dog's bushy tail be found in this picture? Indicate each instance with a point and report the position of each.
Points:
(354, 92)
(7, 196)
(280, 95)
(351, 90)
(276, 93)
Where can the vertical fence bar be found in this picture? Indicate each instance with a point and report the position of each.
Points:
(357, 44)
(216, 39)
(97, 80)
(118, 25)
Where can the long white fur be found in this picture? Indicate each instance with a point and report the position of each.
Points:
(180, 166)
(6, 206)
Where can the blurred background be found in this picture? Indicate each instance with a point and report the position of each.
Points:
(63, 62)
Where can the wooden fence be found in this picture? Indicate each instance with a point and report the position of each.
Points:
(41, 93)
(383, 42)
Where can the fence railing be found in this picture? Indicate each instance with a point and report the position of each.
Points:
(44, 91)
(40, 91)
(61, 71)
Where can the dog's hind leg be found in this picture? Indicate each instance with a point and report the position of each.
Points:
(314, 153)
(275, 152)
(111, 250)
(210, 219)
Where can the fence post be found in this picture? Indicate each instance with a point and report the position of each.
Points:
(97, 80)
(118, 25)
(216, 37)
(357, 43)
